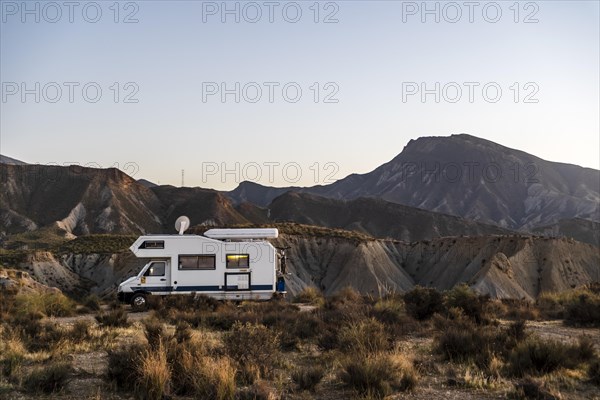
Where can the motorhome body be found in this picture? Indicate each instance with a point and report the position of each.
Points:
(228, 264)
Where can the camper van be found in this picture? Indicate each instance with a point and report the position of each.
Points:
(226, 264)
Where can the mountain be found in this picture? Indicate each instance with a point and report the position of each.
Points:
(12, 161)
(76, 199)
(468, 177)
(255, 193)
(376, 217)
(146, 183)
(202, 206)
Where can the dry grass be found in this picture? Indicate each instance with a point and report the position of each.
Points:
(378, 375)
(154, 374)
(310, 295)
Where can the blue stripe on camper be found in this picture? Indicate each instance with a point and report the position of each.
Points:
(156, 288)
(198, 288)
(261, 287)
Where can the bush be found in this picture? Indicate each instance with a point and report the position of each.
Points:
(155, 333)
(310, 295)
(465, 299)
(466, 342)
(378, 376)
(254, 347)
(154, 374)
(80, 330)
(117, 317)
(123, 366)
(92, 302)
(202, 376)
(50, 304)
(537, 356)
(48, 379)
(421, 303)
(364, 337)
(584, 311)
(12, 353)
(307, 378)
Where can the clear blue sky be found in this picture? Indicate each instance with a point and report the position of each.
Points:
(369, 57)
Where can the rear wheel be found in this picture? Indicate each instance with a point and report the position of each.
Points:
(139, 302)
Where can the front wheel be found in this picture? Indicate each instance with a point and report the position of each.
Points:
(139, 302)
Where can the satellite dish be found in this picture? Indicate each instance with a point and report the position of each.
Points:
(182, 224)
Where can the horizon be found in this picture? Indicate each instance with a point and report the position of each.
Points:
(190, 85)
(151, 181)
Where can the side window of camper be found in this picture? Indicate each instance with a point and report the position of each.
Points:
(202, 261)
(153, 244)
(237, 261)
(156, 269)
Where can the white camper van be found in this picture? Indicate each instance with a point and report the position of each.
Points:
(226, 264)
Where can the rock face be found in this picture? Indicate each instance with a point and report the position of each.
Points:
(505, 266)
(79, 200)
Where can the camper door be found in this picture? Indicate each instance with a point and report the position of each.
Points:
(156, 277)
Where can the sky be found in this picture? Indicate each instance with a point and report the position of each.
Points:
(292, 93)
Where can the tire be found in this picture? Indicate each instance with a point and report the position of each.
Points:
(139, 302)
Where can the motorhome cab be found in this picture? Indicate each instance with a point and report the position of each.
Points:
(227, 264)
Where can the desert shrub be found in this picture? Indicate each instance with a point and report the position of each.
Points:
(421, 303)
(12, 353)
(48, 379)
(183, 332)
(391, 313)
(346, 295)
(516, 330)
(532, 389)
(594, 372)
(116, 317)
(537, 356)
(364, 337)
(466, 342)
(154, 374)
(254, 347)
(47, 337)
(307, 378)
(462, 340)
(28, 324)
(377, 376)
(51, 304)
(471, 303)
(91, 302)
(197, 374)
(515, 309)
(155, 333)
(259, 390)
(306, 325)
(310, 295)
(123, 365)
(389, 310)
(80, 330)
(7, 302)
(584, 350)
(193, 302)
(584, 310)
